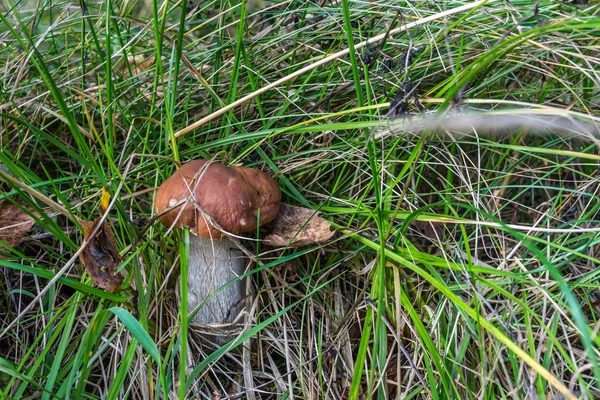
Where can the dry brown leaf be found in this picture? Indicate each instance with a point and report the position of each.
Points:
(100, 256)
(298, 226)
(14, 224)
(138, 64)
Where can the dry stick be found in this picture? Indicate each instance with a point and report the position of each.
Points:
(325, 60)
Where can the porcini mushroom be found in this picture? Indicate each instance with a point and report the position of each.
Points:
(214, 200)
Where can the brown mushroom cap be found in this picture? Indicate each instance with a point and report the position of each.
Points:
(232, 196)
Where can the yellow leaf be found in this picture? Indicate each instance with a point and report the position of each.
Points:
(104, 201)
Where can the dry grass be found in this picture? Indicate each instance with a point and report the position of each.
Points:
(465, 263)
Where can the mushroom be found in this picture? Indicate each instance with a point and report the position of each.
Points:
(214, 200)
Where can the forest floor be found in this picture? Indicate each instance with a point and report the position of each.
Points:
(453, 146)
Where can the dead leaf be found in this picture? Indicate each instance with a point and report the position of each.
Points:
(424, 234)
(138, 64)
(100, 256)
(298, 226)
(14, 224)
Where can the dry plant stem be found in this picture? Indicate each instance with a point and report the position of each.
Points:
(212, 264)
(11, 180)
(401, 346)
(246, 356)
(34, 193)
(59, 274)
(323, 61)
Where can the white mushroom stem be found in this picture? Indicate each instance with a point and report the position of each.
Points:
(212, 265)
